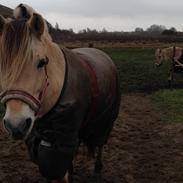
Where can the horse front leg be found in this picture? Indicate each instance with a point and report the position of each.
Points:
(98, 163)
(68, 178)
(64, 180)
(170, 79)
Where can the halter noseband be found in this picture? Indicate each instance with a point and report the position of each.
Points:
(34, 103)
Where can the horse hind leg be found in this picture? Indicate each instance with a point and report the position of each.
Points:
(169, 83)
(170, 80)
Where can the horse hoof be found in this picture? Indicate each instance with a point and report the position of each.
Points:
(59, 181)
(96, 177)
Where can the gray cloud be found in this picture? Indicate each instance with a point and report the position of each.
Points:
(111, 14)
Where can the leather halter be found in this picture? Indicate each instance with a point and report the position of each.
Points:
(34, 103)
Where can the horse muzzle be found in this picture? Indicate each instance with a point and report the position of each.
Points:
(19, 132)
(19, 123)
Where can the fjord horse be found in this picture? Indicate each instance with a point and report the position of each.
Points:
(55, 98)
(172, 54)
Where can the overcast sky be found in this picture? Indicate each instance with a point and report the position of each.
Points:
(119, 15)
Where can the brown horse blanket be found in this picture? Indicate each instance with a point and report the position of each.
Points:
(85, 112)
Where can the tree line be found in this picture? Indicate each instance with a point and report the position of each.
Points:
(153, 32)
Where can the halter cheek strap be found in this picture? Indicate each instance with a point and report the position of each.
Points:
(34, 103)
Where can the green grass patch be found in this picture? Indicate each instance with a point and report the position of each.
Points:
(137, 70)
(170, 104)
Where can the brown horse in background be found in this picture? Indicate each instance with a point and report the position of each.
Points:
(172, 54)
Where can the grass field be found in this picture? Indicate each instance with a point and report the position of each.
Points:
(138, 74)
(170, 104)
(137, 70)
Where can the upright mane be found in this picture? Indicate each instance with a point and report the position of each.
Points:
(14, 52)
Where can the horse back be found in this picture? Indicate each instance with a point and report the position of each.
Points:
(102, 65)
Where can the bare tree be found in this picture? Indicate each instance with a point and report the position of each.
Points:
(156, 28)
(57, 26)
(139, 30)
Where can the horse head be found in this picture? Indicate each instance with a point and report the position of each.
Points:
(27, 58)
(159, 57)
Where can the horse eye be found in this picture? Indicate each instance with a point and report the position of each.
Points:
(42, 63)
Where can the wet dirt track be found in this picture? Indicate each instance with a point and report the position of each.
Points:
(142, 149)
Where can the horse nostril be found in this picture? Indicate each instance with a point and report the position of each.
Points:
(7, 126)
(4, 122)
(28, 122)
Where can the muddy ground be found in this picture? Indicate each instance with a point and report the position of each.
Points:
(142, 149)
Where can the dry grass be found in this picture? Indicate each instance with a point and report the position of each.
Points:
(118, 44)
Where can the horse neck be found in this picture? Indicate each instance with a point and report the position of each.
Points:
(56, 76)
(174, 52)
(167, 53)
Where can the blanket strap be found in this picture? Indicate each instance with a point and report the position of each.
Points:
(94, 89)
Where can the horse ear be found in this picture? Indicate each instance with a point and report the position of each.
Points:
(2, 23)
(37, 24)
(22, 11)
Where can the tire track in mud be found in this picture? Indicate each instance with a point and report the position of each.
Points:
(141, 149)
